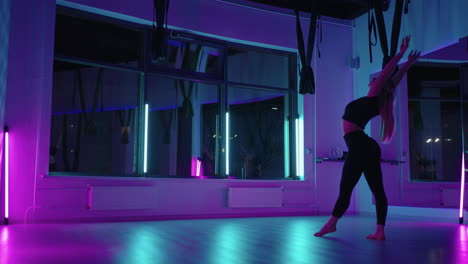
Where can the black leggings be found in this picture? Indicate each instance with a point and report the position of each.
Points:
(363, 156)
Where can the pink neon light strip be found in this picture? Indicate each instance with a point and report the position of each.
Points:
(7, 195)
(462, 187)
(198, 168)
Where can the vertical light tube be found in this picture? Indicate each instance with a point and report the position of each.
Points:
(227, 143)
(286, 149)
(217, 142)
(7, 176)
(145, 139)
(462, 189)
(197, 173)
(296, 129)
(301, 148)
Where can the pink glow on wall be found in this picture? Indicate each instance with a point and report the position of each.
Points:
(193, 166)
(462, 245)
(462, 188)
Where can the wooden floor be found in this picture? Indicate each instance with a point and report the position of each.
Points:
(227, 241)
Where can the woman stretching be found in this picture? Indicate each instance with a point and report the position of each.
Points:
(363, 151)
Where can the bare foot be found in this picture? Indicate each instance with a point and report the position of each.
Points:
(376, 237)
(325, 230)
(379, 233)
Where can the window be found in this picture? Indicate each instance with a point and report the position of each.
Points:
(184, 54)
(93, 120)
(207, 109)
(258, 68)
(256, 133)
(182, 127)
(435, 122)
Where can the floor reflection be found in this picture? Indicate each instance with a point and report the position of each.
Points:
(461, 246)
(231, 241)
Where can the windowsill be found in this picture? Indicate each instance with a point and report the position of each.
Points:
(432, 181)
(152, 177)
(391, 162)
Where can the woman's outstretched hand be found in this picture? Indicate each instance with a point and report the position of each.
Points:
(414, 56)
(404, 44)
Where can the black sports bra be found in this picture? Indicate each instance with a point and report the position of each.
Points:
(361, 110)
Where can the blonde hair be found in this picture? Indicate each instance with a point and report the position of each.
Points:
(386, 102)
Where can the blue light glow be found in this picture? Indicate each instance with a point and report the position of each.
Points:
(297, 244)
(143, 246)
(228, 246)
(300, 147)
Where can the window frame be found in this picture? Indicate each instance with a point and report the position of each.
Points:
(460, 100)
(145, 68)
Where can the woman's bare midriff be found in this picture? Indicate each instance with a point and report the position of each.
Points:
(350, 127)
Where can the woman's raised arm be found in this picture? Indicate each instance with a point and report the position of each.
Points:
(412, 58)
(377, 85)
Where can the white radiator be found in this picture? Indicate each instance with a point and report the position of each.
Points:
(121, 197)
(255, 197)
(450, 197)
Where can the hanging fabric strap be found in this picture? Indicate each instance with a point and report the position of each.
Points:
(125, 125)
(90, 126)
(307, 82)
(187, 106)
(99, 89)
(82, 94)
(378, 6)
(77, 150)
(66, 161)
(407, 2)
(166, 123)
(159, 36)
(77, 85)
(396, 26)
(320, 33)
(372, 29)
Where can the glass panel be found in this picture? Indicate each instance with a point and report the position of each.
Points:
(258, 68)
(96, 40)
(256, 143)
(93, 120)
(190, 57)
(464, 80)
(182, 122)
(435, 140)
(434, 82)
(210, 140)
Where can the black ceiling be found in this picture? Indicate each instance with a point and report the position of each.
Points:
(343, 9)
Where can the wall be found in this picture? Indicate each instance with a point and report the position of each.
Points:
(29, 74)
(457, 51)
(334, 91)
(4, 37)
(38, 196)
(238, 23)
(432, 24)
